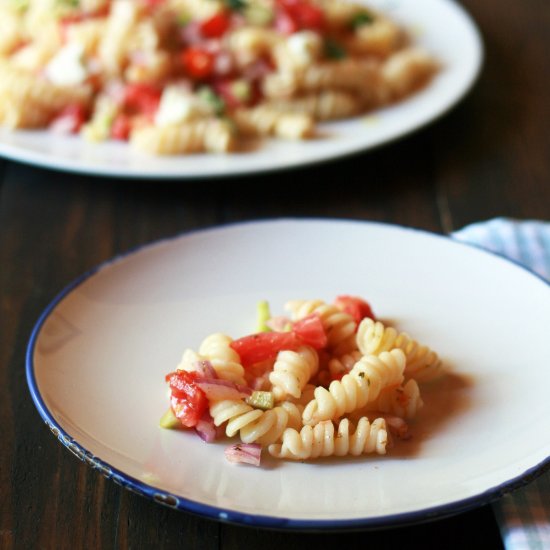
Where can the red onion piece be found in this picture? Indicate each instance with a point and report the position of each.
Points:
(216, 389)
(191, 33)
(224, 64)
(205, 368)
(247, 453)
(206, 429)
(397, 426)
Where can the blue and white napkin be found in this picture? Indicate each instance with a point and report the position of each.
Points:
(524, 515)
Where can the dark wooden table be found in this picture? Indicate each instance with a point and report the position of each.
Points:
(489, 157)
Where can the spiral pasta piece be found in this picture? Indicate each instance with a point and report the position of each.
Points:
(342, 365)
(189, 360)
(381, 38)
(224, 359)
(212, 135)
(338, 325)
(10, 30)
(403, 401)
(25, 91)
(249, 43)
(348, 74)
(254, 425)
(292, 371)
(339, 14)
(369, 376)
(267, 121)
(121, 23)
(422, 363)
(216, 350)
(323, 105)
(407, 70)
(321, 441)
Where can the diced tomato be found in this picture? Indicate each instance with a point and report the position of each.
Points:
(295, 15)
(355, 306)
(262, 346)
(215, 26)
(70, 119)
(287, 5)
(141, 98)
(337, 376)
(198, 62)
(152, 4)
(122, 125)
(187, 400)
(309, 16)
(310, 331)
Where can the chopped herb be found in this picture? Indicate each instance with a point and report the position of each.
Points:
(333, 50)
(360, 19)
(70, 3)
(235, 5)
(207, 94)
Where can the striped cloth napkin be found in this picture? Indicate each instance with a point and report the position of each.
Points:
(524, 515)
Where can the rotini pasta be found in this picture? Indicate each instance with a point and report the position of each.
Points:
(266, 68)
(323, 105)
(290, 392)
(321, 440)
(216, 348)
(403, 401)
(350, 75)
(368, 377)
(267, 121)
(254, 425)
(22, 90)
(339, 326)
(197, 136)
(292, 371)
(338, 366)
(422, 363)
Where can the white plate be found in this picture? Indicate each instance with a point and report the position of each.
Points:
(98, 356)
(440, 25)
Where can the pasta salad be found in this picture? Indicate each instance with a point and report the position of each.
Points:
(326, 380)
(185, 76)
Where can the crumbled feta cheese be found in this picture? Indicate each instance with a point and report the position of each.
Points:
(67, 67)
(123, 11)
(304, 47)
(179, 105)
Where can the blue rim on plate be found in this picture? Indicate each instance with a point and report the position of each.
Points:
(245, 519)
